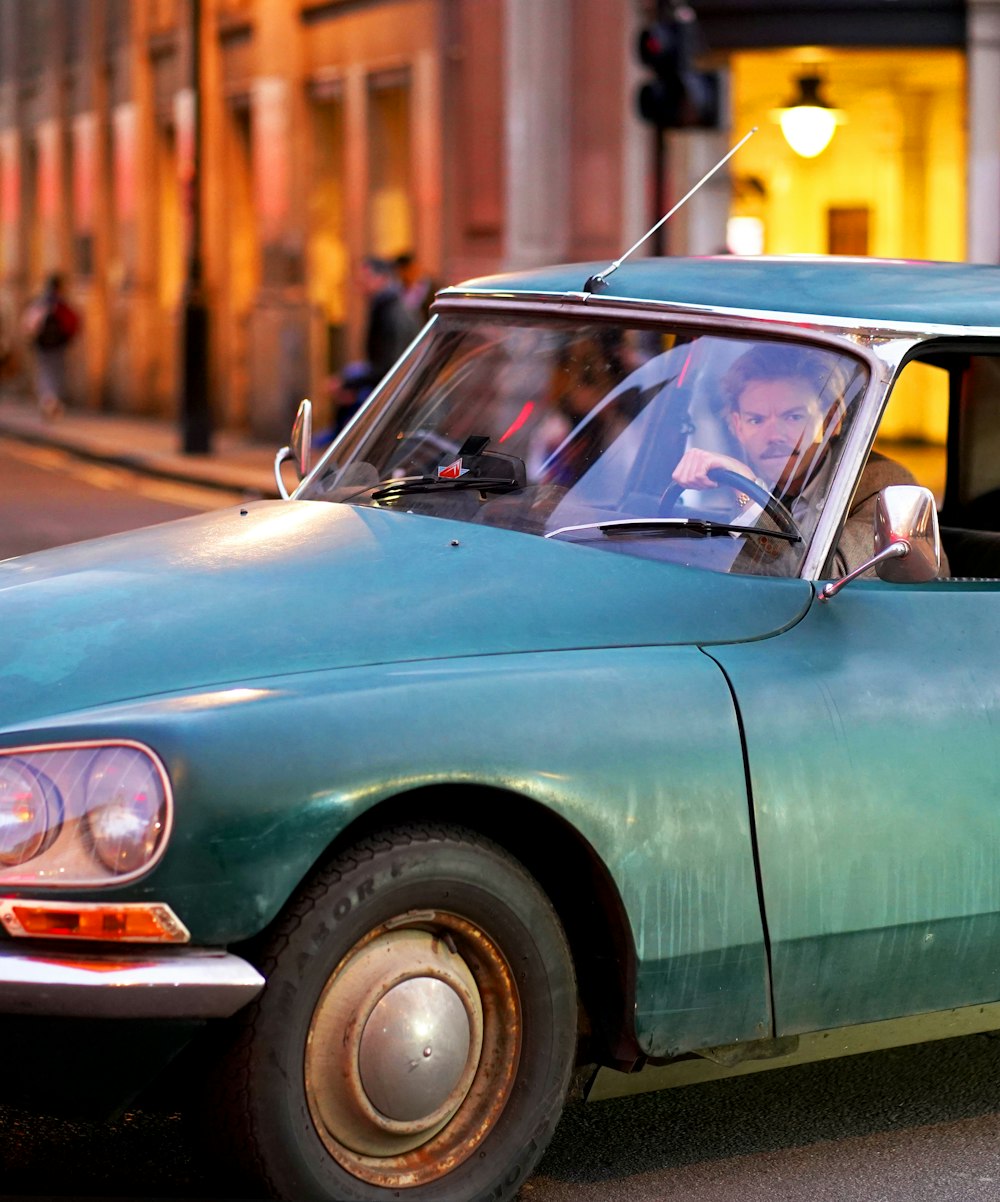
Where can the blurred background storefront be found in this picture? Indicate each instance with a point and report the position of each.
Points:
(478, 135)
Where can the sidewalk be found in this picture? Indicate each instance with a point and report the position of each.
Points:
(146, 445)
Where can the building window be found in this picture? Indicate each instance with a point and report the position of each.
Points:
(390, 211)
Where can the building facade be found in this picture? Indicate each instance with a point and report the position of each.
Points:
(252, 151)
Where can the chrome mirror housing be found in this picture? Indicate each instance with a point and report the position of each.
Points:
(907, 513)
(907, 539)
(299, 448)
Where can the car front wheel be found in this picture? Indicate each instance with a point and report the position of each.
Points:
(417, 1031)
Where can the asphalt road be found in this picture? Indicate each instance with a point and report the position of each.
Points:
(49, 497)
(918, 1124)
(907, 1125)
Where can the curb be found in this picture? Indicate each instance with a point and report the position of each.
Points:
(246, 480)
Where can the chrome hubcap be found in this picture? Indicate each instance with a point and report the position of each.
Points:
(376, 1019)
(414, 1049)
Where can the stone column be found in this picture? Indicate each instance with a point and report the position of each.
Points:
(537, 88)
(983, 64)
(427, 158)
(279, 323)
(637, 158)
(356, 175)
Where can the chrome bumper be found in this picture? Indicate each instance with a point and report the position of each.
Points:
(125, 983)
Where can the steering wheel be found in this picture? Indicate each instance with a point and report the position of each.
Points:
(756, 491)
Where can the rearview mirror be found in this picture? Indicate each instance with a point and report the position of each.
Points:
(299, 448)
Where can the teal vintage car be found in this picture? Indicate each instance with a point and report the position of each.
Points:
(608, 704)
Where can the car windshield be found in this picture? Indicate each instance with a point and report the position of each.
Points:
(576, 432)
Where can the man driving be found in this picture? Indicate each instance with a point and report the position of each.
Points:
(784, 405)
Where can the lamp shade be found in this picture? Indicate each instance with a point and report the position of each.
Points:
(808, 121)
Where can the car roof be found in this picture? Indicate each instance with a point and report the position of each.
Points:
(865, 290)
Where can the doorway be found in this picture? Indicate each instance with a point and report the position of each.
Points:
(890, 181)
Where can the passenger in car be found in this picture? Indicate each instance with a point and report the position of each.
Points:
(784, 406)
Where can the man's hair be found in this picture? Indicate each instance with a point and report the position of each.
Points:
(380, 266)
(824, 371)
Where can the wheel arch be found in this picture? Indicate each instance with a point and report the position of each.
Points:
(571, 873)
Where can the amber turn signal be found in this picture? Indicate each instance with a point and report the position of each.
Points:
(131, 922)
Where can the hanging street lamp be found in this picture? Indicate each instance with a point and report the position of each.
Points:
(808, 121)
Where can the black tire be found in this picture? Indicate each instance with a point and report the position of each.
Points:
(439, 918)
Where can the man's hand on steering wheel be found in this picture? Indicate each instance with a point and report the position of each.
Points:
(694, 465)
(709, 469)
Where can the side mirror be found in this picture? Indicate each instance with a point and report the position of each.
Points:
(907, 539)
(299, 448)
(906, 513)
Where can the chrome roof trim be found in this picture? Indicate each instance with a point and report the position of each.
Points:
(859, 442)
(124, 983)
(456, 299)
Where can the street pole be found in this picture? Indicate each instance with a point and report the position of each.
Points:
(659, 246)
(664, 11)
(195, 415)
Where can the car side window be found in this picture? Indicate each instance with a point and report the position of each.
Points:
(943, 423)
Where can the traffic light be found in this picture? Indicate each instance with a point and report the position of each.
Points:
(680, 96)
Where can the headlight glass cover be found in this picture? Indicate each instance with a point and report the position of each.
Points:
(89, 813)
(30, 812)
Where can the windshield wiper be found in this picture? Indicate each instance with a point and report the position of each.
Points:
(408, 484)
(664, 527)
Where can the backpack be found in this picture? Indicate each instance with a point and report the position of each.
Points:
(56, 327)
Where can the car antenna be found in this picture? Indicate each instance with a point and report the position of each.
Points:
(600, 280)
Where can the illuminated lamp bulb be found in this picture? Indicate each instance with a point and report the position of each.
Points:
(808, 121)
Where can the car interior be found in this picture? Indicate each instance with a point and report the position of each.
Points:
(955, 396)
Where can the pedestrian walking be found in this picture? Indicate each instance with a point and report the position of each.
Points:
(51, 323)
(416, 288)
(390, 329)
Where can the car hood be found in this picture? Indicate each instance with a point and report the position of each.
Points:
(277, 587)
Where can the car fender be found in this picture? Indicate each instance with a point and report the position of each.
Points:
(638, 749)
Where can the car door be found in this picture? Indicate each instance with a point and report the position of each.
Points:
(874, 762)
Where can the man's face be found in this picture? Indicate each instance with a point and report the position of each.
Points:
(779, 424)
(372, 282)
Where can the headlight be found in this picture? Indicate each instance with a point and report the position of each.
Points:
(81, 814)
(30, 812)
(124, 799)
